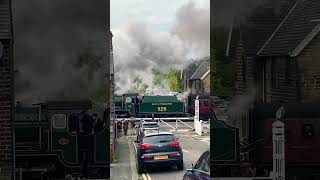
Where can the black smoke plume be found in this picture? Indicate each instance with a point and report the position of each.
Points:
(51, 36)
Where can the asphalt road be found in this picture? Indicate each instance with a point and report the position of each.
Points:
(172, 125)
(192, 150)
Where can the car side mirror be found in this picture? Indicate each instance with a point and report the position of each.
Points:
(189, 167)
(177, 137)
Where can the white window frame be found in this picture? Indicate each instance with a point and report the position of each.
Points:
(65, 122)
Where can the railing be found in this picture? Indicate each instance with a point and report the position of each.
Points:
(177, 120)
(167, 124)
(180, 123)
(156, 119)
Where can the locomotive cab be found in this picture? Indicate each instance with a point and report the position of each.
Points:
(62, 143)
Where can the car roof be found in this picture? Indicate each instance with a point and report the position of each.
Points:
(157, 133)
(149, 123)
(151, 130)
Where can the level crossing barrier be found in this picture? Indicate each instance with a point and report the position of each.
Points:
(179, 122)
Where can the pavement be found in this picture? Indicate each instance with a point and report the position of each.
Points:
(124, 167)
(192, 145)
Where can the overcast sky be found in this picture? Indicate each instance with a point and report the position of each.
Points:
(159, 14)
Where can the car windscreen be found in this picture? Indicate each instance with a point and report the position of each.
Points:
(158, 139)
(150, 125)
(149, 131)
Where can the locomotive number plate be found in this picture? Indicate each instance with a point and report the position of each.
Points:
(162, 109)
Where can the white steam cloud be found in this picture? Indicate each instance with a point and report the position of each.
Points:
(137, 50)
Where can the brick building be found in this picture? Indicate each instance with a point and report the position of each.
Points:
(196, 78)
(6, 91)
(276, 53)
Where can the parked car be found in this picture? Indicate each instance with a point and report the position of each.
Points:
(145, 125)
(159, 149)
(201, 170)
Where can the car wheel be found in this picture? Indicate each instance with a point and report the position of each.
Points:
(180, 166)
(140, 168)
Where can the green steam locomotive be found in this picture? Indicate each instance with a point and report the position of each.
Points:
(49, 142)
(132, 105)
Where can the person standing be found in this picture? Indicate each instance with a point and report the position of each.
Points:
(119, 127)
(133, 125)
(125, 126)
(87, 122)
(98, 125)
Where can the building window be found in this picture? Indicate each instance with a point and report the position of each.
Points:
(59, 121)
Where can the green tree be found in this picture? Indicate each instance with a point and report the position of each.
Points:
(158, 78)
(171, 78)
(174, 81)
(138, 86)
(137, 82)
(143, 88)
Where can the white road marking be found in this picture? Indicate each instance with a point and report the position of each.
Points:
(144, 177)
(185, 151)
(135, 147)
(132, 161)
(148, 176)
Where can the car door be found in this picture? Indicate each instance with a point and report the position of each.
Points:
(204, 169)
(197, 173)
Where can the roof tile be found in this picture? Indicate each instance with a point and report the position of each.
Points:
(294, 29)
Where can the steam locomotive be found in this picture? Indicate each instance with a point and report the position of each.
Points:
(302, 127)
(133, 105)
(49, 142)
